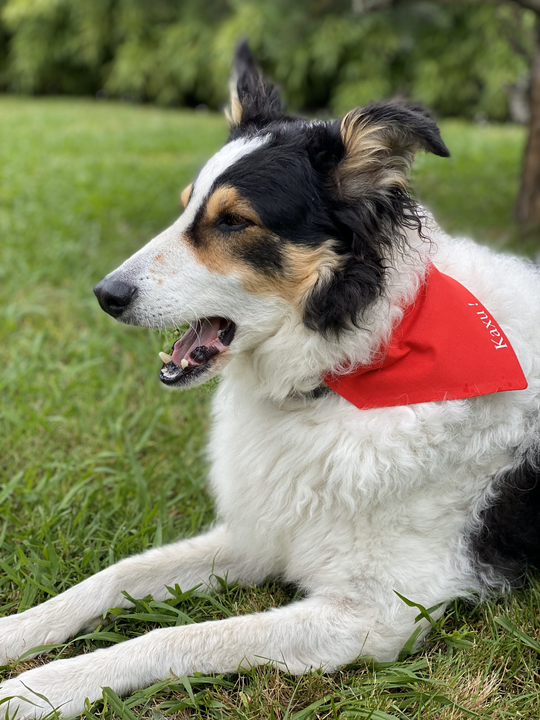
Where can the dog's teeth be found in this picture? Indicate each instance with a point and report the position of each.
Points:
(165, 358)
(184, 363)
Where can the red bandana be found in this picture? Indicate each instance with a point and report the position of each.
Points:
(446, 347)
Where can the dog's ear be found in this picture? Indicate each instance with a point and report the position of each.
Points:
(185, 195)
(380, 142)
(254, 101)
(365, 161)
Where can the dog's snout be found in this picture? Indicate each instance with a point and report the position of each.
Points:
(115, 296)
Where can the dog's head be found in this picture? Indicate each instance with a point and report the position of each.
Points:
(290, 222)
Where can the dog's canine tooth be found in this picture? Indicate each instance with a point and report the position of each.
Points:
(184, 363)
(165, 358)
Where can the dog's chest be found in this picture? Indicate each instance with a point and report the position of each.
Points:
(311, 492)
(267, 464)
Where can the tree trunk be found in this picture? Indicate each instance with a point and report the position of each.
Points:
(528, 204)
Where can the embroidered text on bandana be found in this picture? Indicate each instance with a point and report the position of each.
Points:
(447, 347)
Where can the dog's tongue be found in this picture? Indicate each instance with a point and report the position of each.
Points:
(199, 343)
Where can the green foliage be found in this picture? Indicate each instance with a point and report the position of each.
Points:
(464, 59)
(455, 57)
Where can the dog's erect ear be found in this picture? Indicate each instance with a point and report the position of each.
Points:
(254, 101)
(380, 142)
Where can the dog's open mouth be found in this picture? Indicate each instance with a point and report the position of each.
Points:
(194, 353)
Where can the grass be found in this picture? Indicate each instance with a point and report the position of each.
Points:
(474, 191)
(98, 461)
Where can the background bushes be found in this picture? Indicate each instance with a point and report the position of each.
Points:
(458, 58)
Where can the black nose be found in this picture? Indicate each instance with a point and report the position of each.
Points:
(115, 296)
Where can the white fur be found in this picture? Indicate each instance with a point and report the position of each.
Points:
(351, 505)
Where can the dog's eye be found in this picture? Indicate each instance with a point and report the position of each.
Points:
(234, 222)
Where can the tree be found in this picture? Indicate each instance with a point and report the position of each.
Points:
(528, 204)
(528, 201)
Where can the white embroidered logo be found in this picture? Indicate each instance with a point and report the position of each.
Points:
(494, 331)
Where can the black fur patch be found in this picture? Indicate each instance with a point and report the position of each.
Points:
(265, 255)
(509, 539)
(368, 233)
(283, 187)
(338, 303)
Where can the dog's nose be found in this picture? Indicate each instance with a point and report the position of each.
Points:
(115, 296)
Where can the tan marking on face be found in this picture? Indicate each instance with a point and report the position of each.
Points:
(372, 157)
(159, 258)
(305, 268)
(185, 195)
(226, 200)
(217, 250)
(222, 252)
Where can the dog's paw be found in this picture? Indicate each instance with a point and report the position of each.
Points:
(24, 697)
(16, 636)
(17, 702)
(20, 633)
(57, 689)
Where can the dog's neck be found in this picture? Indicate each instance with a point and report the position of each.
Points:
(289, 364)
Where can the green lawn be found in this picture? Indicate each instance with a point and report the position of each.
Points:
(99, 461)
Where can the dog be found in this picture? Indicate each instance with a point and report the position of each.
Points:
(375, 428)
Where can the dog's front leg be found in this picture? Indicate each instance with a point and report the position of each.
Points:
(187, 563)
(313, 633)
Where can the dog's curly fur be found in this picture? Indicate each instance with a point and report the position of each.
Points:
(302, 239)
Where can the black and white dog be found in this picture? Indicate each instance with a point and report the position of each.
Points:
(376, 424)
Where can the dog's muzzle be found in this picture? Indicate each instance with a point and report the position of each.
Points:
(115, 296)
